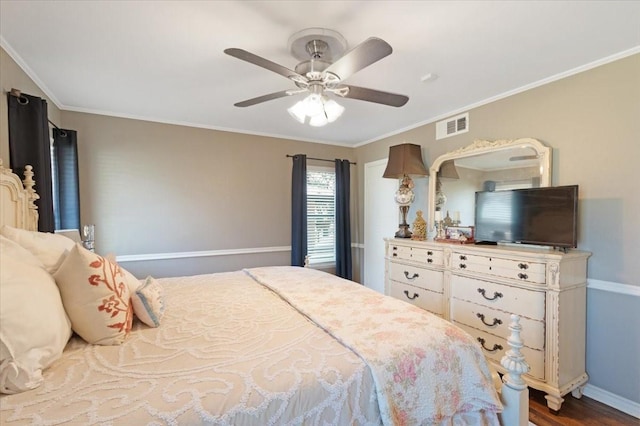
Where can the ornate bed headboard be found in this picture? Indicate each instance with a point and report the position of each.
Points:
(17, 202)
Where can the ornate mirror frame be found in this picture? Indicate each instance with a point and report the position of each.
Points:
(480, 147)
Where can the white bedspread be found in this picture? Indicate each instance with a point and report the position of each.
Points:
(231, 351)
(228, 352)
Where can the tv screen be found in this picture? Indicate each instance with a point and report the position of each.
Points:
(544, 216)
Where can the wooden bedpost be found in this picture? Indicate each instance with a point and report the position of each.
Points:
(32, 215)
(515, 393)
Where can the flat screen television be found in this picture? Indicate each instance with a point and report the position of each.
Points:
(544, 216)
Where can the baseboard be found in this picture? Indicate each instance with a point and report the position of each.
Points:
(612, 400)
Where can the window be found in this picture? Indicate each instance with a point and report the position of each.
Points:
(64, 179)
(321, 218)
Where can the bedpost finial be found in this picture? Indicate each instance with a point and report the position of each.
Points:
(515, 393)
(513, 361)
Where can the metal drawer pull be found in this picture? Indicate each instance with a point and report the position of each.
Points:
(406, 293)
(523, 266)
(496, 294)
(496, 321)
(496, 347)
(523, 276)
(463, 266)
(429, 260)
(429, 253)
(463, 257)
(406, 275)
(395, 254)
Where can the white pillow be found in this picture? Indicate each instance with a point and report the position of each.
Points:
(11, 248)
(96, 296)
(148, 302)
(50, 249)
(34, 327)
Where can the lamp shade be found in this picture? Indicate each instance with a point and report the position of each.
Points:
(448, 170)
(404, 160)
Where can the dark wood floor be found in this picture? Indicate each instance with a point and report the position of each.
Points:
(576, 412)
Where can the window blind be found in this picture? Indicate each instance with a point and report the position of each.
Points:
(321, 237)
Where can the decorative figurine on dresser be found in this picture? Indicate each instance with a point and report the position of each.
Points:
(419, 227)
(478, 287)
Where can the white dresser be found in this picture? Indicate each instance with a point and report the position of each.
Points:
(479, 287)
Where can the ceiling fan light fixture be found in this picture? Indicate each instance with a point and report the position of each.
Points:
(298, 112)
(333, 110)
(318, 120)
(318, 108)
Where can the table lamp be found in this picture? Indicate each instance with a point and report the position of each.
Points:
(405, 160)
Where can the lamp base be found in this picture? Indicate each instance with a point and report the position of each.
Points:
(403, 232)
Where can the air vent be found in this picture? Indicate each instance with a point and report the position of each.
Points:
(452, 126)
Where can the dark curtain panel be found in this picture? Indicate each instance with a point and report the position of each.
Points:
(66, 191)
(343, 220)
(299, 210)
(29, 144)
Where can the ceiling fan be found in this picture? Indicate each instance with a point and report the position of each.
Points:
(319, 74)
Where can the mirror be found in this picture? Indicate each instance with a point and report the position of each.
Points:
(484, 165)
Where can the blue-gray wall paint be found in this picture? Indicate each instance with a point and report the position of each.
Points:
(613, 342)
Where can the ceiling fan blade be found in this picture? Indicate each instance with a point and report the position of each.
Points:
(377, 96)
(523, 157)
(263, 98)
(265, 63)
(366, 53)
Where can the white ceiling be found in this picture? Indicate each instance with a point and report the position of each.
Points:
(164, 60)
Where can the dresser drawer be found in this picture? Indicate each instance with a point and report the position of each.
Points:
(417, 254)
(415, 276)
(534, 358)
(496, 322)
(523, 302)
(425, 299)
(501, 267)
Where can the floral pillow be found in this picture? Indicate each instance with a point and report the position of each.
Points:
(148, 302)
(96, 296)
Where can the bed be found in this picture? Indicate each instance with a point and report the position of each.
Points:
(261, 346)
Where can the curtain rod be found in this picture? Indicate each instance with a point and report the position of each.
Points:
(24, 101)
(319, 159)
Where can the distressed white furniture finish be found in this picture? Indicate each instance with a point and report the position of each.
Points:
(17, 203)
(480, 287)
(408, 280)
(514, 391)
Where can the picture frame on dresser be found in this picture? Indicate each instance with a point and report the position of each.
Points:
(457, 232)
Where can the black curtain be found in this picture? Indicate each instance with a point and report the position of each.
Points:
(66, 191)
(29, 145)
(299, 210)
(343, 220)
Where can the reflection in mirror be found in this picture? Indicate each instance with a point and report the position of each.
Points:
(483, 166)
